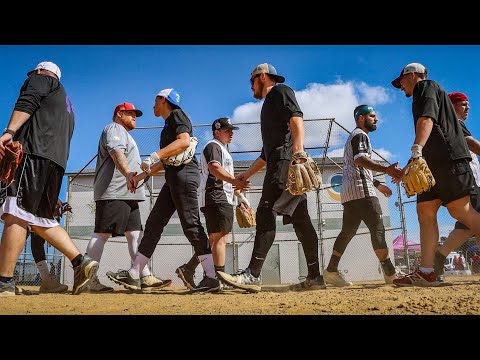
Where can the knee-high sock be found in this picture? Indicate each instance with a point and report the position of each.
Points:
(133, 239)
(96, 244)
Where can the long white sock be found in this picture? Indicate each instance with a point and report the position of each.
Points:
(207, 264)
(43, 269)
(133, 240)
(139, 263)
(96, 244)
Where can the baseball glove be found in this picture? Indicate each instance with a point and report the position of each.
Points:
(10, 161)
(245, 216)
(303, 176)
(417, 178)
(185, 156)
(59, 211)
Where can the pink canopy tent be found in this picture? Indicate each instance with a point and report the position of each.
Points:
(398, 245)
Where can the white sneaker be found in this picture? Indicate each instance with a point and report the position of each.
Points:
(334, 278)
(242, 280)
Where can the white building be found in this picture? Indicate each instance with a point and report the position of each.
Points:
(285, 262)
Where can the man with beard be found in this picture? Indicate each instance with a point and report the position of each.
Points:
(359, 198)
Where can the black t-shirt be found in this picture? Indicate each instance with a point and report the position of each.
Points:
(446, 140)
(279, 106)
(214, 192)
(50, 128)
(177, 123)
(466, 132)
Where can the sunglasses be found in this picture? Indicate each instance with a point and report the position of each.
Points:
(252, 80)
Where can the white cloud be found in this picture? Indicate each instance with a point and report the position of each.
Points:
(383, 153)
(335, 153)
(317, 101)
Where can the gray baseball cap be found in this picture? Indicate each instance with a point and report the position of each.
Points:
(408, 69)
(267, 69)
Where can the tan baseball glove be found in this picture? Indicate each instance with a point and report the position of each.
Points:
(417, 178)
(245, 216)
(303, 174)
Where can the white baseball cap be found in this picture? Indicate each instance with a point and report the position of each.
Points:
(171, 95)
(50, 66)
(408, 69)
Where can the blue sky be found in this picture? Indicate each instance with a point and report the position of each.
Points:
(213, 81)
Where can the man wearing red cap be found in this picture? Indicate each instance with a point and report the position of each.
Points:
(461, 232)
(116, 208)
(439, 140)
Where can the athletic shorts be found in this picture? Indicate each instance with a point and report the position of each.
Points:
(117, 216)
(476, 205)
(219, 217)
(37, 186)
(453, 181)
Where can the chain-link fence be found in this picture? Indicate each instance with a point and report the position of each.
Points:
(285, 263)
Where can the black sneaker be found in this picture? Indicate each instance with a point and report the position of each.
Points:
(7, 288)
(441, 278)
(187, 276)
(207, 284)
(123, 277)
(310, 284)
(83, 273)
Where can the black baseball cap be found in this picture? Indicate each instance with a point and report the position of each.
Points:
(222, 124)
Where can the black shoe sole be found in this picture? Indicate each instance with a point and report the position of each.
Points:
(180, 274)
(205, 290)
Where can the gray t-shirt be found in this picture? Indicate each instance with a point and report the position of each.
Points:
(109, 182)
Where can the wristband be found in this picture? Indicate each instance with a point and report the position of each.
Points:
(376, 183)
(154, 157)
(416, 151)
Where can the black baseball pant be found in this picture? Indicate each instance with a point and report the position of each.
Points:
(178, 193)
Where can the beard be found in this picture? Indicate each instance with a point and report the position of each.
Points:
(258, 94)
(370, 126)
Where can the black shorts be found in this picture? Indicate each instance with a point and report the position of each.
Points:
(453, 181)
(117, 216)
(474, 197)
(37, 185)
(219, 217)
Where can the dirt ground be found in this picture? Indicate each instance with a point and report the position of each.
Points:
(459, 296)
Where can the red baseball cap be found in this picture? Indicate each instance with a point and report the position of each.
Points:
(457, 96)
(129, 107)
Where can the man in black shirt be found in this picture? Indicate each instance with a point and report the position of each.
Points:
(461, 233)
(282, 129)
(439, 139)
(43, 121)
